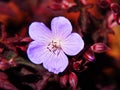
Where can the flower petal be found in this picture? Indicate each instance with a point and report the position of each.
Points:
(38, 31)
(56, 63)
(37, 52)
(73, 44)
(61, 27)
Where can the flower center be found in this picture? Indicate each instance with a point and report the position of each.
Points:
(54, 46)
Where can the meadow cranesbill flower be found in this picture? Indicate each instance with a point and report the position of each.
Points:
(50, 46)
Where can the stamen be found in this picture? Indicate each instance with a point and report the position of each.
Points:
(54, 47)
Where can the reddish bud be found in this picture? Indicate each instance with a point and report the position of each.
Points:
(64, 80)
(99, 47)
(73, 80)
(89, 55)
(115, 8)
(103, 3)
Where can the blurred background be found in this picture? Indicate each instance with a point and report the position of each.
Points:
(97, 67)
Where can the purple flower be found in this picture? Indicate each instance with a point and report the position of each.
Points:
(50, 46)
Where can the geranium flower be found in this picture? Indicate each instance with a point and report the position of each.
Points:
(50, 46)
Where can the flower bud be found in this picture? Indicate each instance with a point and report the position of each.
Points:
(89, 55)
(99, 47)
(63, 80)
(115, 8)
(73, 80)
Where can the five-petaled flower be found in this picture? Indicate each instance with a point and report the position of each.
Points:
(50, 46)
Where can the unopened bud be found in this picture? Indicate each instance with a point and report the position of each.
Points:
(89, 55)
(64, 80)
(73, 80)
(115, 8)
(99, 47)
